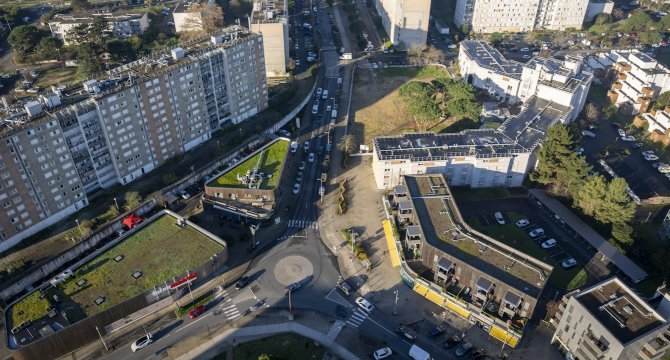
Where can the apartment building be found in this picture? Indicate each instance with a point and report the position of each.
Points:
(658, 124)
(125, 123)
(487, 16)
(406, 22)
(609, 320)
(118, 25)
(186, 18)
(551, 91)
(563, 82)
(597, 7)
(639, 80)
(481, 279)
(270, 19)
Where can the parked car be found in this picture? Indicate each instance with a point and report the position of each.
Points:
(197, 311)
(184, 195)
(464, 349)
(296, 188)
(284, 133)
(292, 287)
(452, 341)
(364, 304)
(621, 132)
(142, 342)
(344, 287)
(549, 244)
(651, 157)
(638, 145)
(536, 232)
(244, 281)
(628, 138)
(478, 355)
(568, 263)
(406, 332)
(522, 223)
(437, 331)
(301, 166)
(299, 177)
(499, 218)
(382, 353)
(588, 134)
(319, 91)
(305, 146)
(311, 157)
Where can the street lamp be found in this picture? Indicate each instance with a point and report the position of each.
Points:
(395, 304)
(117, 204)
(78, 226)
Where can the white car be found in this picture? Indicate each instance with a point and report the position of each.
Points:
(548, 244)
(364, 304)
(568, 263)
(296, 188)
(621, 132)
(525, 50)
(651, 157)
(648, 152)
(499, 218)
(301, 166)
(382, 353)
(452, 46)
(305, 145)
(537, 232)
(628, 138)
(588, 134)
(297, 63)
(142, 342)
(522, 223)
(318, 92)
(310, 158)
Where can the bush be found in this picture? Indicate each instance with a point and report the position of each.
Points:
(341, 201)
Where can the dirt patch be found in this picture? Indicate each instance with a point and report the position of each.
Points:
(56, 76)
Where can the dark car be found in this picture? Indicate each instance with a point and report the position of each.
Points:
(437, 331)
(478, 355)
(452, 341)
(244, 281)
(292, 287)
(464, 348)
(196, 312)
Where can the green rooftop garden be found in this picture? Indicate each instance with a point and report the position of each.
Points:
(269, 161)
(160, 251)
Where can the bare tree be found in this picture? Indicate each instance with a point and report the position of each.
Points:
(205, 17)
(433, 55)
(347, 144)
(592, 112)
(415, 52)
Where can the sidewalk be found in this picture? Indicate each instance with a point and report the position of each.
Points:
(310, 326)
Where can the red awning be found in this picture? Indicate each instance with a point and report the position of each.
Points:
(132, 220)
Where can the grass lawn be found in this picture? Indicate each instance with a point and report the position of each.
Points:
(517, 238)
(56, 76)
(269, 161)
(279, 347)
(468, 194)
(151, 250)
(32, 308)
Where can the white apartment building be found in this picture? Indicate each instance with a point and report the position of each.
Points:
(127, 124)
(658, 124)
(597, 7)
(118, 25)
(487, 16)
(560, 81)
(269, 18)
(552, 92)
(610, 321)
(406, 22)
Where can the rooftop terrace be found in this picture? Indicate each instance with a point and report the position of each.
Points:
(438, 218)
(623, 313)
(260, 170)
(268, 11)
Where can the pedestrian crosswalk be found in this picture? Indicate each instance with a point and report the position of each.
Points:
(328, 48)
(333, 72)
(228, 308)
(303, 224)
(357, 317)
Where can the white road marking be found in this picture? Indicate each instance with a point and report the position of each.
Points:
(192, 322)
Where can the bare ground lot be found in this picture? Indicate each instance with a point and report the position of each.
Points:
(377, 108)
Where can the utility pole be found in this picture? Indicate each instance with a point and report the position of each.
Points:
(101, 339)
(78, 226)
(117, 205)
(395, 304)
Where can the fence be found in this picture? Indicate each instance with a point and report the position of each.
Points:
(293, 113)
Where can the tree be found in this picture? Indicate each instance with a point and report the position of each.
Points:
(131, 200)
(552, 309)
(24, 38)
(85, 228)
(622, 233)
(650, 37)
(264, 357)
(205, 17)
(618, 207)
(591, 112)
(663, 100)
(97, 30)
(79, 34)
(496, 38)
(617, 14)
(80, 5)
(10, 13)
(120, 50)
(559, 166)
(433, 55)
(603, 18)
(590, 195)
(637, 22)
(48, 48)
(347, 144)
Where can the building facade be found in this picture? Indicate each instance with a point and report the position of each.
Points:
(639, 80)
(269, 18)
(126, 125)
(186, 18)
(597, 7)
(118, 25)
(657, 123)
(406, 22)
(487, 16)
(609, 320)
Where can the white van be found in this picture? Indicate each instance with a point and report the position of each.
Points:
(418, 353)
(333, 114)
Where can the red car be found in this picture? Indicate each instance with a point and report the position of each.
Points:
(196, 312)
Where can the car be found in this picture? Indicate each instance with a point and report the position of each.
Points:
(648, 152)
(580, 151)
(568, 263)
(452, 341)
(478, 355)
(548, 244)
(301, 166)
(284, 133)
(364, 304)
(184, 195)
(311, 157)
(299, 177)
(452, 46)
(328, 108)
(319, 91)
(244, 281)
(628, 138)
(536, 232)
(292, 288)
(588, 134)
(437, 331)
(638, 145)
(464, 349)
(142, 342)
(406, 332)
(382, 353)
(297, 63)
(651, 157)
(297, 46)
(296, 188)
(656, 165)
(311, 59)
(197, 311)
(522, 223)
(526, 56)
(621, 132)
(525, 49)
(499, 218)
(305, 145)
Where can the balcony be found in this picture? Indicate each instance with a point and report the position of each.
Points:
(656, 347)
(592, 347)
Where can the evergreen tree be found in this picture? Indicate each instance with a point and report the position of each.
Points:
(618, 207)
(591, 194)
(558, 164)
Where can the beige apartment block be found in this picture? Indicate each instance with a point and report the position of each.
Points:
(406, 22)
(269, 18)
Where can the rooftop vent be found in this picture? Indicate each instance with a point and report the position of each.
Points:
(177, 53)
(628, 309)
